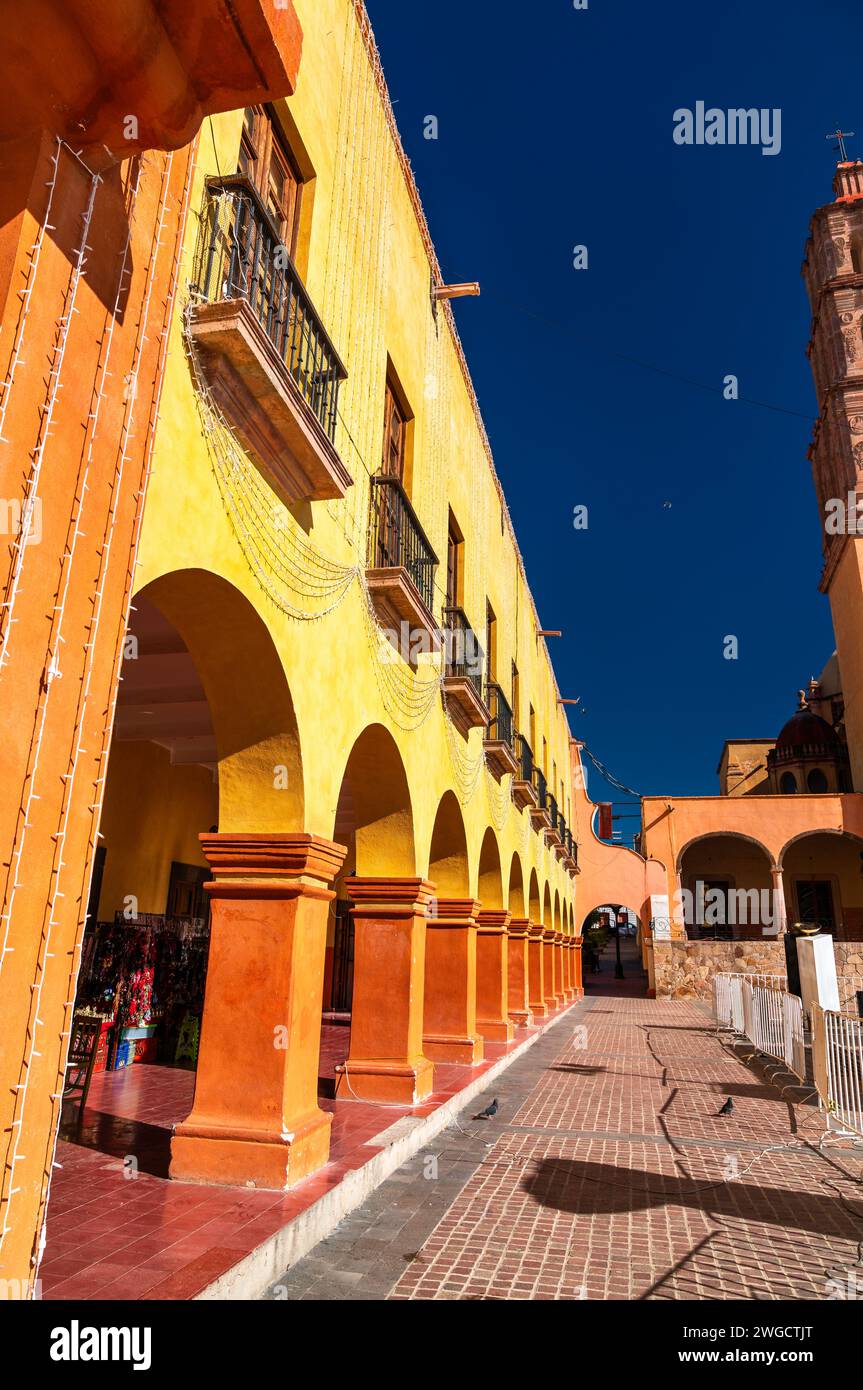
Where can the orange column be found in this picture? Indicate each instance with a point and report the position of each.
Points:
(449, 1017)
(576, 960)
(387, 1061)
(536, 970)
(492, 977)
(518, 997)
(565, 971)
(255, 1119)
(558, 961)
(549, 970)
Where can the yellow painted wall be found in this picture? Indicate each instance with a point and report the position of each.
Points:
(153, 814)
(368, 274)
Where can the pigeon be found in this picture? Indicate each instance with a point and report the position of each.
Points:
(728, 1107)
(489, 1111)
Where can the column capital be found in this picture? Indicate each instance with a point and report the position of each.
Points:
(270, 865)
(536, 931)
(548, 935)
(493, 922)
(518, 927)
(395, 897)
(448, 910)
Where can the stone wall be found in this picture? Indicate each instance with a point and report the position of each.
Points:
(849, 969)
(685, 969)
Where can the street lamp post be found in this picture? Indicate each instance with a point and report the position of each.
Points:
(622, 919)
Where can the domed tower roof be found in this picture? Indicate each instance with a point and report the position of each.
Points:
(807, 730)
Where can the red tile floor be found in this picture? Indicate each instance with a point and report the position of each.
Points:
(117, 1228)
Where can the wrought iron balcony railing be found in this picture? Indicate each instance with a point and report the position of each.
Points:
(398, 541)
(500, 729)
(561, 830)
(525, 759)
(463, 655)
(241, 256)
(540, 786)
(553, 812)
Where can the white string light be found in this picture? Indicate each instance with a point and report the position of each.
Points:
(95, 809)
(47, 413)
(78, 751)
(26, 294)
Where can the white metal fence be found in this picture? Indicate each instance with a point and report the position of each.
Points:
(760, 1008)
(837, 1060)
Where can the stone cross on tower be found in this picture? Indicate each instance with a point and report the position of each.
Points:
(840, 135)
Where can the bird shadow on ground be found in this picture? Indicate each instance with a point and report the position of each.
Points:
(580, 1070)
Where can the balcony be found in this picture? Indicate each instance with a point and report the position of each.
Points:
(551, 836)
(462, 681)
(523, 791)
(402, 569)
(500, 737)
(539, 814)
(571, 861)
(560, 848)
(267, 358)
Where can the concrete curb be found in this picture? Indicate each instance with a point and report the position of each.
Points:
(255, 1272)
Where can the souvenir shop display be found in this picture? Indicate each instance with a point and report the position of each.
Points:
(145, 980)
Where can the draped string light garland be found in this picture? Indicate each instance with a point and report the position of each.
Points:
(105, 556)
(26, 294)
(46, 411)
(57, 639)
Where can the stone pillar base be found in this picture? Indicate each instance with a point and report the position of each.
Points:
(467, 1051)
(497, 1032)
(386, 1081)
(210, 1154)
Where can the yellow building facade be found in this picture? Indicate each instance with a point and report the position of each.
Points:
(284, 695)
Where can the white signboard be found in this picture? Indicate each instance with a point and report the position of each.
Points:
(660, 917)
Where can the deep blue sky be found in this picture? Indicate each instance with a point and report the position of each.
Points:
(556, 129)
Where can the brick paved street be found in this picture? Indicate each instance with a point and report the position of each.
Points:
(608, 1174)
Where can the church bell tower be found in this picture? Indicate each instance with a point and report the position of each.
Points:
(833, 273)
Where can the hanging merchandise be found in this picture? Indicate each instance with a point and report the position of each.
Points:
(145, 980)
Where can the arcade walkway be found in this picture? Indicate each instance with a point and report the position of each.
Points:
(118, 1229)
(608, 1174)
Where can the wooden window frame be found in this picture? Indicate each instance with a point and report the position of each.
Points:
(265, 145)
(454, 563)
(393, 407)
(491, 642)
